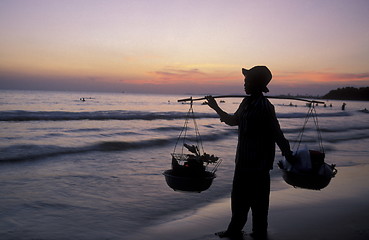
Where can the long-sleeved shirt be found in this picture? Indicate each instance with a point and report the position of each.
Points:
(258, 131)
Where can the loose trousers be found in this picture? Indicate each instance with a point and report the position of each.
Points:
(251, 190)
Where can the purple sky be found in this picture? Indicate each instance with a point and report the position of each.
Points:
(167, 46)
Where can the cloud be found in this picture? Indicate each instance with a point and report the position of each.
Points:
(352, 77)
(315, 83)
(185, 80)
(207, 75)
(177, 75)
(321, 78)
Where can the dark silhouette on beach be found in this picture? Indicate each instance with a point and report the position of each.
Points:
(258, 131)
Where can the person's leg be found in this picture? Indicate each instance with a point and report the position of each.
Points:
(240, 202)
(260, 204)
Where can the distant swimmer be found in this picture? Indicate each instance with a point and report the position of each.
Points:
(82, 99)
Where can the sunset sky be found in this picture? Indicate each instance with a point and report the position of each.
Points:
(194, 46)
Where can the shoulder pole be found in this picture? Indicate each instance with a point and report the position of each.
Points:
(243, 96)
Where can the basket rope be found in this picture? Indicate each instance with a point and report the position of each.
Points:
(310, 114)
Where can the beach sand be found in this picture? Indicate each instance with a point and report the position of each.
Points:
(339, 211)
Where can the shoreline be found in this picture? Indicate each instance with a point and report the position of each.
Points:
(339, 211)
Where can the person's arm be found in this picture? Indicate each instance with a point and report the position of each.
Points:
(281, 141)
(228, 119)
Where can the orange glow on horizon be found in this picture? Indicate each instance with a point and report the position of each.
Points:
(319, 77)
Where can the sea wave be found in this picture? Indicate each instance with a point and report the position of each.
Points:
(323, 114)
(21, 115)
(29, 152)
(348, 137)
(339, 129)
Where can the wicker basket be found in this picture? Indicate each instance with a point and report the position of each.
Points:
(189, 183)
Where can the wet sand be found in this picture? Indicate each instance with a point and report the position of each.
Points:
(339, 211)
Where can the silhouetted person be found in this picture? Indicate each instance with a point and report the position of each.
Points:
(343, 106)
(258, 131)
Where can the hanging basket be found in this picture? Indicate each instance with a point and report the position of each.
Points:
(309, 171)
(192, 175)
(189, 171)
(189, 183)
(315, 177)
(305, 180)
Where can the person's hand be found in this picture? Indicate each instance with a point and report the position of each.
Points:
(211, 102)
(292, 159)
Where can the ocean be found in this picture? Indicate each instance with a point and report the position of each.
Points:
(92, 169)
